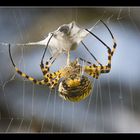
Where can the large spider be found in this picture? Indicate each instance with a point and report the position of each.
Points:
(75, 86)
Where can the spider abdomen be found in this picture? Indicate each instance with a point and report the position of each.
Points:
(74, 90)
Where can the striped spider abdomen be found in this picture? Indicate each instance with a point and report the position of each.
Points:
(75, 89)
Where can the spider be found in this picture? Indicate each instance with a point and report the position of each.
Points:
(75, 86)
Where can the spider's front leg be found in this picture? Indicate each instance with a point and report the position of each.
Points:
(52, 82)
(45, 69)
(51, 77)
(94, 70)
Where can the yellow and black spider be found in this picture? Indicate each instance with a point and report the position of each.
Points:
(75, 86)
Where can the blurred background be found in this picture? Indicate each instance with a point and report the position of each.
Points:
(113, 106)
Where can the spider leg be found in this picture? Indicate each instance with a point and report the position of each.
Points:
(114, 41)
(52, 77)
(58, 74)
(91, 69)
(107, 68)
(91, 53)
(101, 68)
(94, 70)
(48, 63)
(39, 82)
(55, 80)
(45, 69)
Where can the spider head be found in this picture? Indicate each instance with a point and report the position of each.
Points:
(75, 88)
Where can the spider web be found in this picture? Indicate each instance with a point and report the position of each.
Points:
(113, 105)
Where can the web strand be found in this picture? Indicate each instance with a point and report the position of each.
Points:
(45, 112)
(114, 85)
(87, 110)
